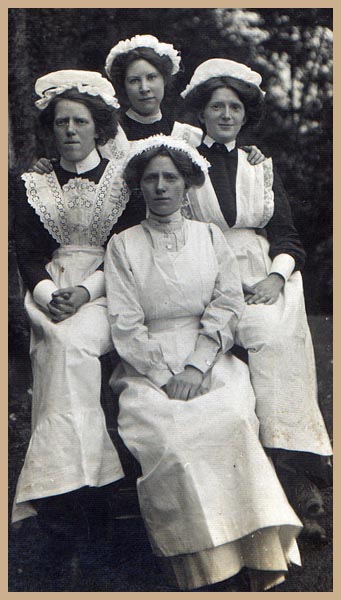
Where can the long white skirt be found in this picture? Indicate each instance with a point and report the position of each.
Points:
(208, 494)
(69, 446)
(281, 355)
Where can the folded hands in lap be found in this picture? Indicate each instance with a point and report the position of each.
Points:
(186, 385)
(66, 301)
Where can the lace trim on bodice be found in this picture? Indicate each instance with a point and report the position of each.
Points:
(268, 193)
(82, 212)
(254, 194)
(116, 151)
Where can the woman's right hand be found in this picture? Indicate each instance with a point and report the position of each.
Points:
(61, 311)
(186, 385)
(66, 301)
(42, 166)
(255, 155)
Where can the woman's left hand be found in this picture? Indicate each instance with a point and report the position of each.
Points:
(186, 385)
(73, 297)
(255, 156)
(266, 291)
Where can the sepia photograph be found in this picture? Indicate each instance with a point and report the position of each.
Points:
(170, 299)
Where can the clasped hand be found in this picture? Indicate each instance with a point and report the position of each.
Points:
(66, 301)
(265, 291)
(255, 156)
(186, 385)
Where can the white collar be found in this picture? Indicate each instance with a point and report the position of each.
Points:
(87, 164)
(208, 141)
(141, 119)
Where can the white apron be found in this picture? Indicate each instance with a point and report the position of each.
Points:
(70, 446)
(206, 482)
(277, 337)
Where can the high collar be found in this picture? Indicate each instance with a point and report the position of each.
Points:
(173, 221)
(141, 119)
(87, 164)
(208, 141)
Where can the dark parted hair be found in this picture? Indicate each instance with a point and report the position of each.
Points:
(133, 172)
(118, 69)
(251, 97)
(104, 116)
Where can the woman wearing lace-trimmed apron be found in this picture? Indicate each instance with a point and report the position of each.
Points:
(246, 202)
(63, 221)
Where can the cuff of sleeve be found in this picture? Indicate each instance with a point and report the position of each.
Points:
(203, 357)
(42, 293)
(283, 264)
(95, 285)
(159, 376)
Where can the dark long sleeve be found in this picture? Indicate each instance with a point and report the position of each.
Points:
(34, 245)
(281, 232)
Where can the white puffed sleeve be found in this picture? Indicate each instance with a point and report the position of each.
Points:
(126, 317)
(222, 314)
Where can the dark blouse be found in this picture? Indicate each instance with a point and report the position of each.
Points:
(35, 245)
(280, 231)
(139, 131)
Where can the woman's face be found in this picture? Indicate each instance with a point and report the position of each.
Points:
(224, 115)
(144, 86)
(74, 130)
(163, 186)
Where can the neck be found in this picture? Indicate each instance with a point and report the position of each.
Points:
(172, 218)
(87, 164)
(144, 118)
(171, 222)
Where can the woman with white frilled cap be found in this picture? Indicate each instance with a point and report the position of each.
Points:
(63, 221)
(242, 200)
(208, 494)
(141, 69)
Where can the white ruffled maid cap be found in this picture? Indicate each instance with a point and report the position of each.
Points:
(86, 82)
(138, 147)
(223, 67)
(144, 41)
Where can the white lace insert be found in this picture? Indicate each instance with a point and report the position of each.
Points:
(81, 212)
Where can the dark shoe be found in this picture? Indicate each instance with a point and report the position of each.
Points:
(307, 498)
(304, 496)
(313, 531)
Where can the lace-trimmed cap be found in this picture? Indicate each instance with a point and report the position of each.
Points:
(86, 82)
(156, 141)
(144, 41)
(222, 67)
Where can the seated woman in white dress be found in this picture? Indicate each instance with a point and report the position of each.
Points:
(242, 200)
(209, 496)
(62, 223)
